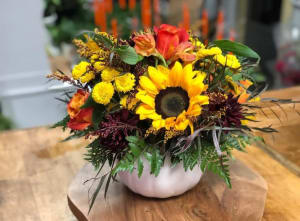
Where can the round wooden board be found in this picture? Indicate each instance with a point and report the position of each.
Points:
(209, 200)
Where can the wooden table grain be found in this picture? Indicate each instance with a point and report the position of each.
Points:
(36, 169)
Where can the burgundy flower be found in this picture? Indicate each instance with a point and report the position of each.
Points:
(114, 129)
(233, 114)
(226, 110)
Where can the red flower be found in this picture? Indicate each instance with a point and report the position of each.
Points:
(79, 118)
(168, 38)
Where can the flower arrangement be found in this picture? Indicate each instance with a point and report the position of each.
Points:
(161, 93)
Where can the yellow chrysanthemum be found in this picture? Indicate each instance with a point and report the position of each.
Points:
(99, 65)
(87, 77)
(103, 92)
(79, 69)
(109, 74)
(128, 103)
(171, 98)
(196, 42)
(125, 83)
(206, 52)
(229, 60)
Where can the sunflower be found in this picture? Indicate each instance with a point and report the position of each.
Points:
(171, 98)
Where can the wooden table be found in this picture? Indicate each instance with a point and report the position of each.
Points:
(36, 170)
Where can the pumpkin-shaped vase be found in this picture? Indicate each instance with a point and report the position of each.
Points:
(171, 181)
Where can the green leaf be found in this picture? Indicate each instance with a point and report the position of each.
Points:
(63, 123)
(125, 164)
(134, 149)
(95, 194)
(155, 160)
(140, 167)
(100, 39)
(237, 77)
(107, 185)
(97, 116)
(237, 48)
(133, 139)
(128, 55)
(76, 134)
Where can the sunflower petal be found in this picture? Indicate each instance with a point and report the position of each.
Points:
(197, 86)
(157, 77)
(144, 111)
(188, 75)
(181, 122)
(194, 110)
(175, 75)
(191, 125)
(148, 85)
(145, 98)
(157, 124)
(170, 122)
(199, 99)
(163, 70)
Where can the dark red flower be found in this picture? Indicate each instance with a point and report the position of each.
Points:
(114, 129)
(233, 114)
(225, 110)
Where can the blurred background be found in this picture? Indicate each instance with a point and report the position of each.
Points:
(36, 38)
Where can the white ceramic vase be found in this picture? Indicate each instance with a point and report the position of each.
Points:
(171, 181)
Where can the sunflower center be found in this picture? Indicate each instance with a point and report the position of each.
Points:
(171, 101)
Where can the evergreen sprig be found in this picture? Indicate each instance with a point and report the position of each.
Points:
(98, 155)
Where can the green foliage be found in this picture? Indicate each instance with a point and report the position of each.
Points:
(95, 194)
(128, 55)
(237, 48)
(75, 134)
(100, 39)
(138, 149)
(98, 155)
(62, 123)
(203, 153)
(68, 18)
(155, 159)
(5, 123)
(190, 158)
(211, 161)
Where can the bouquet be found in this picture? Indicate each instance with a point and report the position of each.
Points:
(161, 93)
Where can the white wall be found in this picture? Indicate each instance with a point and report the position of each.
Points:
(24, 90)
(22, 37)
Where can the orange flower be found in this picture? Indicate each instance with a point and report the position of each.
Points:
(184, 52)
(240, 90)
(79, 118)
(82, 120)
(168, 38)
(144, 44)
(76, 102)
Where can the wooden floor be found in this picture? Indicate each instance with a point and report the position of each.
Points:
(35, 169)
